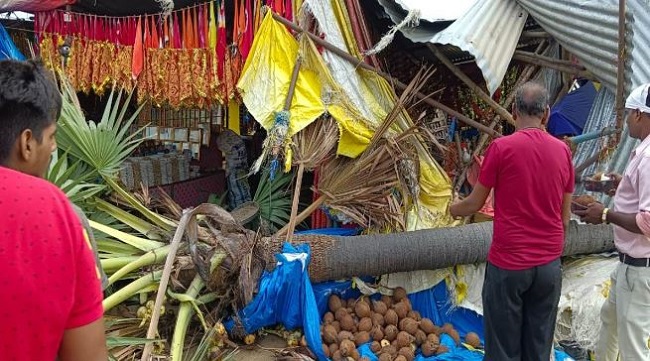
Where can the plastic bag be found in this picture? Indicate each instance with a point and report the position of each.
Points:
(286, 297)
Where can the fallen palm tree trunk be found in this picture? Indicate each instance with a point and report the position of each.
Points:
(372, 255)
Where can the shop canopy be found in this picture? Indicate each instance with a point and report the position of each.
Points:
(569, 115)
(99, 7)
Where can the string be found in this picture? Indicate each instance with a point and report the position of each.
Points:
(130, 16)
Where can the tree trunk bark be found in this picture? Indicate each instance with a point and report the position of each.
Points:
(372, 255)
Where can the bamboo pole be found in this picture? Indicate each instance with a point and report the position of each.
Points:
(553, 64)
(620, 71)
(304, 214)
(472, 85)
(294, 204)
(559, 62)
(301, 167)
(535, 35)
(344, 55)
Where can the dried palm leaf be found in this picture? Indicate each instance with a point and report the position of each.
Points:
(311, 147)
(364, 189)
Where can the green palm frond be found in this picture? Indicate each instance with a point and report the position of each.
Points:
(274, 199)
(73, 178)
(104, 145)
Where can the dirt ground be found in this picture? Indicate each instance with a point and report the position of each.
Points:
(262, 350)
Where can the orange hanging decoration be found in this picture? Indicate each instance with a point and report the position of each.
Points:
(138, 52)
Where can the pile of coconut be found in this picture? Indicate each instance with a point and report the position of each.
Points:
(394, 330)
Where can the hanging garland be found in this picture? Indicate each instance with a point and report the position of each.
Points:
(180, 58)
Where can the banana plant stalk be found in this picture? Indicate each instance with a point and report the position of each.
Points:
(150, 258)
(131, 290)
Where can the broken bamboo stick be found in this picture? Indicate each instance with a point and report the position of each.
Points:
(344, 55)
(559, 65)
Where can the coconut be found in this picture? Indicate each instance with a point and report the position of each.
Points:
(326, 350)
(334, 303)
(442, 349)
(337, 326)
(390, 332)
(420, 337)
(387, 300)
(377, 333)
(362, 309)
(385, 357)
(344, 335)
(333, 348)
(336, 356)
(401, 309)
(377, 319)
(434, 339)
(364, 358)
(350, 303)
(365, 324)
(409, 325)
(354, 355)
(407, 352)
(455, 336)
(428, 349)
(391, 317)
(390, 349)
(347, 323)
(328, 317)
(340, 313)
(399, 358)
(473, 340)
(399, 294)
(379, 307)
(427, 326)
(447, 327)
(375, 347)
(329, 334)
(584, 200)
(347, 347)
(414, 315)
(404, 339)
(361, 338)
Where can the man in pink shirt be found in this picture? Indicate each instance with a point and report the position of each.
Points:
(626, 313)
(532, 177)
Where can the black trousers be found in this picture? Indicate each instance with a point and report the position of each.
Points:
(520, 309)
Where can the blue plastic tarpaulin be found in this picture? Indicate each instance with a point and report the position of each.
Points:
(569, 115)
(8, 49)
(287, 297)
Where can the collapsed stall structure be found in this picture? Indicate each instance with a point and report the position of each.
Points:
(382, 107)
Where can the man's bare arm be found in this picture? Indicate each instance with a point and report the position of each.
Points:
(85, 343)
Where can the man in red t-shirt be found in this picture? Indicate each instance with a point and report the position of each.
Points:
(50, 294)
(533, 179)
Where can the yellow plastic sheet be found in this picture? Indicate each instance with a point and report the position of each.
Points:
(264, 85)
(265, 80)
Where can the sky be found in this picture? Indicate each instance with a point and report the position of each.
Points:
(435, 10)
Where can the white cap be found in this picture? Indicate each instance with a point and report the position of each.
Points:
(639, 99)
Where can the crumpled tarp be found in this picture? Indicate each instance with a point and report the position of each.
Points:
(8, 49)
(265, 80)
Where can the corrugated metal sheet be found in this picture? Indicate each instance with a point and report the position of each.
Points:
(588, 29)
(490, 31)
(593, 16)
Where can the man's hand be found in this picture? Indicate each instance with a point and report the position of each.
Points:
(617, 180)
(593, 214)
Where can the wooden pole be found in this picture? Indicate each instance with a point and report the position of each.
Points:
(344, 55)
(301, 167)
(620, 71)
(296, 200)
(475, 88)
(303, 215)
(553, 64)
